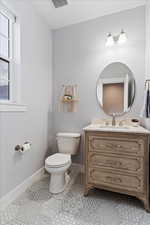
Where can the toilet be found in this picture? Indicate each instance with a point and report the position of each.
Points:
(58, 163)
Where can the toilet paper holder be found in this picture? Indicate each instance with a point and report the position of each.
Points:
(21, 148)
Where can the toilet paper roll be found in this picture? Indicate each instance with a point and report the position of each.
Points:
(25, 147)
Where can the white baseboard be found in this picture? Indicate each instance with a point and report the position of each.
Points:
(12, 195)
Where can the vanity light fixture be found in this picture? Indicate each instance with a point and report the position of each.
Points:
(110, 40)
(119, 39)
(122, 37)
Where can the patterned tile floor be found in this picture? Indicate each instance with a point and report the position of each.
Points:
(38, 207)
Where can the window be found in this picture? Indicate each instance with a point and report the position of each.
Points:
(4, 58)
(9, 61)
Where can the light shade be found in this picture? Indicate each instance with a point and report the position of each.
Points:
(110, 40)
(122, 37)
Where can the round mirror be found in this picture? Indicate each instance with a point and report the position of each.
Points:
(116, 89)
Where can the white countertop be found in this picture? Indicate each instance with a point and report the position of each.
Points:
(125, 129)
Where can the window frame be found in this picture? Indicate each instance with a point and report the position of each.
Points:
(14, 60)
(8, 59)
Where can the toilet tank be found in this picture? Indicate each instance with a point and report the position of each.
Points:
(68, 142)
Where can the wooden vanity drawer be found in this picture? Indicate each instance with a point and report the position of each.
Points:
(115, 180)
(125, 164)
(119, 162)
(117, 145)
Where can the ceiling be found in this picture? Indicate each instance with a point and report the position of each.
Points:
(80, 10)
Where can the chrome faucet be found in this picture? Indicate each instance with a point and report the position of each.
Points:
(113, 119)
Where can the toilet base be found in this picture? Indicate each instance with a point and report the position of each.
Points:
(57, 183)
(58, 178)
(60, 185)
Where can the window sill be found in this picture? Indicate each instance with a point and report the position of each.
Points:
(12, 107)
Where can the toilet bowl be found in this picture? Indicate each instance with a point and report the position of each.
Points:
(58, 163)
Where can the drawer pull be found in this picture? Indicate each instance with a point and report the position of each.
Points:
(113, 179)
(119, 146)
(113, 163)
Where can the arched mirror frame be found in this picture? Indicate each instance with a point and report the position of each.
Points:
(98, 91)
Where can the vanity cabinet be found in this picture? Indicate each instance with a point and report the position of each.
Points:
(118, 162)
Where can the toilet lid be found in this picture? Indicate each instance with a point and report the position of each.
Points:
(57, 160)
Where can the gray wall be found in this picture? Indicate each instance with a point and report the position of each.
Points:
(36, 87)
(80, 55)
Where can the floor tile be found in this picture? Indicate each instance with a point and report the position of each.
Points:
(39, 207)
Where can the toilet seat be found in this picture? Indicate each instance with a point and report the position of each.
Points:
(69, 135)
(58, 160)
